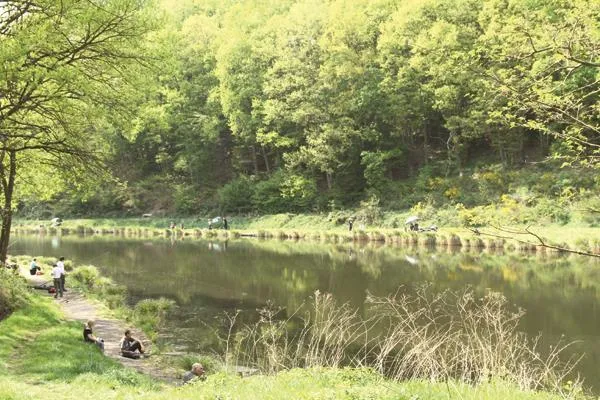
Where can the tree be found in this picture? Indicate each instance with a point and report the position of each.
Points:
(66, 68)
(544, 61)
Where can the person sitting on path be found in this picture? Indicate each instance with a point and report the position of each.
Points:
(89, 337)
(56, 273)
(129, 346)
(34, 267)
(61, 265)
(196, 371)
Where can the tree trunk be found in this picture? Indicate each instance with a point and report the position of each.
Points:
(254, 159)
(425, 145)
(8, 184)
(329, 177)
(264, 154)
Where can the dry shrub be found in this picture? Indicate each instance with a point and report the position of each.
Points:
(424, 335)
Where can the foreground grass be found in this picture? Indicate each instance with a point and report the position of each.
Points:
(42, 356)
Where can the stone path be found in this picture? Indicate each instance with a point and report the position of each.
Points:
(76, 307)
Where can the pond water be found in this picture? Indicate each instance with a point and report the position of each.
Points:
(559, 293)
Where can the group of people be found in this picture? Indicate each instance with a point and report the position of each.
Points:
(223, 220)
(173, 225)
(58, 276)
(131, 347)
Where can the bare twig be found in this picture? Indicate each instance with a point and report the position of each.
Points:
(540, 241)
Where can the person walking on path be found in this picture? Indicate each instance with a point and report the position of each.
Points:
(61, 265)
(56, 274)
(225, 224)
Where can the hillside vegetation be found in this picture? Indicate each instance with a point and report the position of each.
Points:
(313, 106)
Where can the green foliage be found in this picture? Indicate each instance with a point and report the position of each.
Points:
(236, 195)
(369, 212)
(150, 313)
(285, 107)
(267, 197)
(14, 292)
(300, 192)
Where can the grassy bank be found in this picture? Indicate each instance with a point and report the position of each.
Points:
(332, 228)
(42, 355)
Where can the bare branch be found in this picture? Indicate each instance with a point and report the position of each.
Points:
(540, 241)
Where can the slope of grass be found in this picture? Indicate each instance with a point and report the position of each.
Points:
(42, 356)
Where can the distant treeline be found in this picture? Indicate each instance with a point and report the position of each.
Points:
(305, 105)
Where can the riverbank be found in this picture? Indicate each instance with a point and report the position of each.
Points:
(41, 352)
(75, 306)
(42, 355)
(549, 238)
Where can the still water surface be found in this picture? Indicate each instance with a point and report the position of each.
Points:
(560, 294)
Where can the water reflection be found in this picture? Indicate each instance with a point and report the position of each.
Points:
(205, 278)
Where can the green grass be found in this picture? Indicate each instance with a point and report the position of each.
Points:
(320, 227)
(39, 346)
(42, 356)
(294, 384)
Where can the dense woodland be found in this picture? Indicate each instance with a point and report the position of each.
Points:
(255, 106)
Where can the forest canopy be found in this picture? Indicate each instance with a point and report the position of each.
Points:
(311, 105)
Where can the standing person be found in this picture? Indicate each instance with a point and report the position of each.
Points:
(129, 346)
(56, 273)
(89, 337)
(225, 224)
(350, 223)
(34, 267)
(61, 265)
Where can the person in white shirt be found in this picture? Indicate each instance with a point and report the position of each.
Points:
(61, 265)
(56, 274)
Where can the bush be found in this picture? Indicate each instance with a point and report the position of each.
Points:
(186, 199)
(237, 194)
(369, 212)
(299, 192)
(548, 210)
(267, 196)
(150, 313)
(14, 292)
(85, 277)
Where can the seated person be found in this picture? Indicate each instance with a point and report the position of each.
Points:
(34, 267)
(129, 346)
(196, 371)
(89, 337)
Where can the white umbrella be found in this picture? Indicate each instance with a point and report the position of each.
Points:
(411, 220)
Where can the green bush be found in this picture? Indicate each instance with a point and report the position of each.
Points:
(299, 192)
(150, 313)
(236, 195)
(549, 210)
(186, 199)
(267, 196)
(85, 277)
(14, 292)
(369, 212)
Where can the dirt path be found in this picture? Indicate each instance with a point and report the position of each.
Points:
(76, 307)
